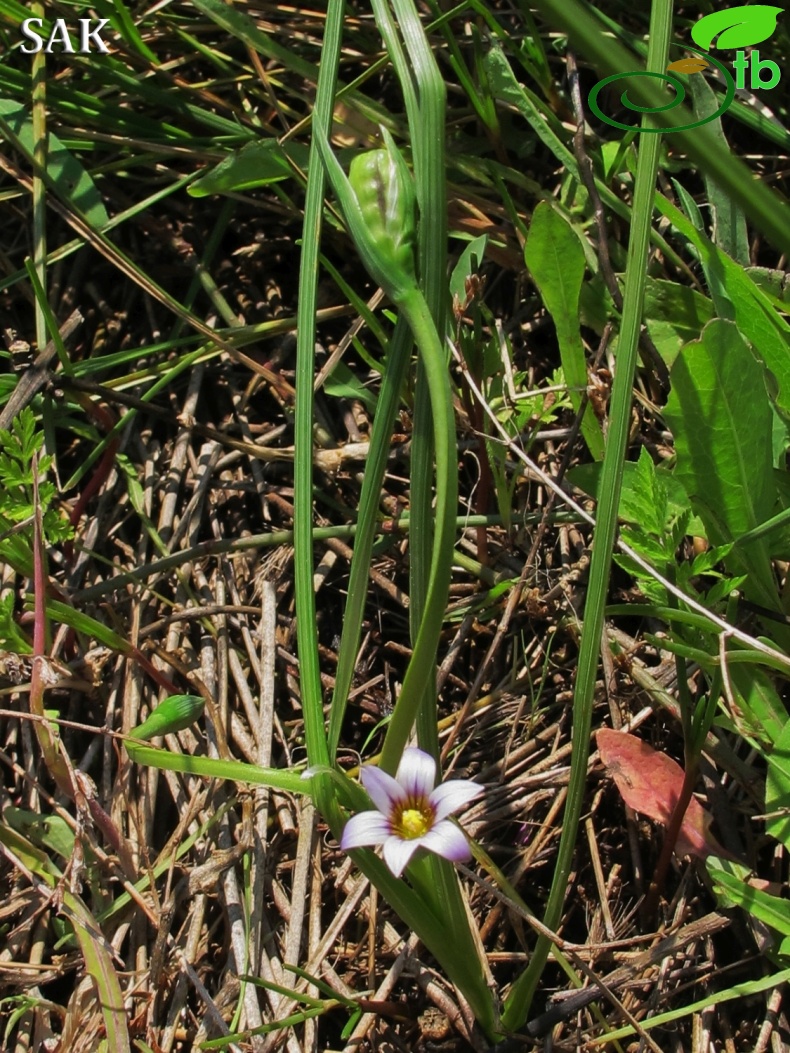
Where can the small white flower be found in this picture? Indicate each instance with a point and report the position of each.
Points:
(410, 813)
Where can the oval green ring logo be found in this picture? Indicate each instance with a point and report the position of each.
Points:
(679, 97)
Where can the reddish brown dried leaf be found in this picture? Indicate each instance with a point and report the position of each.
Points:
(650, 782)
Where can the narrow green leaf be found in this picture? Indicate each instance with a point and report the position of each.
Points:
(762, 707)
(729, 222)
(777, 789)
(65, 173)
(98, 963)
(729, 877)
(674, 314)
(215, 768)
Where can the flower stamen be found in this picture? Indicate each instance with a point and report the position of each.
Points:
(414, 821)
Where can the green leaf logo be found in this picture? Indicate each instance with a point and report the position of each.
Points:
(737, 27)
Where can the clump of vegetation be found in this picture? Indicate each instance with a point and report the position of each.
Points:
(400, 396)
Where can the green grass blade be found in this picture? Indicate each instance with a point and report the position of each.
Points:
(520, 999)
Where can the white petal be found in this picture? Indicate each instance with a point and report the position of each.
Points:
(450, 796)
(398, 852)
(367, 828)
(446, 839)
(416, 773)
(383, 790)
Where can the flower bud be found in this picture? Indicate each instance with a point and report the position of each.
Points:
(385, 194)
(174, 714)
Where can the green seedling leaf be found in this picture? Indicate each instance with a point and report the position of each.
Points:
(174, 714)
(555, 259)
(71, 181)
(256, 164)
(777, 789)
(468, 264)
(736, 27)
(650, 782)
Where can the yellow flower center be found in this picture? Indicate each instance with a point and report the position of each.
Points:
(414, 822)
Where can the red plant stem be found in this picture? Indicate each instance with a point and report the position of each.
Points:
(670, 838)
(53, 757)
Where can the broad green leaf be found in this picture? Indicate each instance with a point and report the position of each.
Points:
(736, 27)
(720, 416)
(72, 182)
(556, 262)
(766, 330)
(777, 789)
(674, 314)
(50, 832)
(256, 164)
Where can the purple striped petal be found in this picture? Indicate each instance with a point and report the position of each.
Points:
(416, 773)
(450, 796)
(448, 840)
(398, 852)
(367, 828)
(383, 790)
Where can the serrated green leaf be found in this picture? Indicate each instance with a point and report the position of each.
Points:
(586, 477)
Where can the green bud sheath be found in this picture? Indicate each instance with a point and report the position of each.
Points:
(385, 194)
(174, 714)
